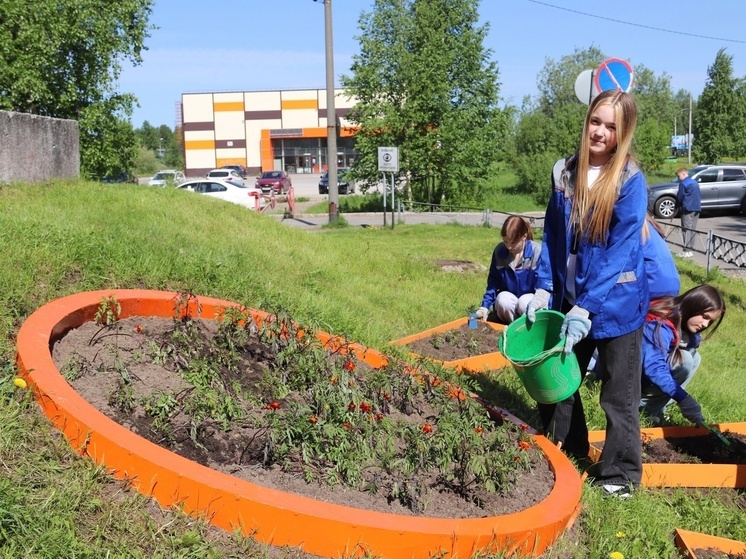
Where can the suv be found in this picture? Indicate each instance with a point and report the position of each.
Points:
(240, 169)
(167, 177)
(723, 187)
(343, 183)
(226, 175)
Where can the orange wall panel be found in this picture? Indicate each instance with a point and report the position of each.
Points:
(229, 106)
(199, 144)
(292, 104)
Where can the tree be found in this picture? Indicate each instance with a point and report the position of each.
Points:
(550, 126)
(62, 58)
(423, 82)
(719, 119)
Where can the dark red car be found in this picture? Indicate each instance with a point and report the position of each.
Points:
(274, 181)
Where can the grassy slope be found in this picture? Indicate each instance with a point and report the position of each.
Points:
(371, 285)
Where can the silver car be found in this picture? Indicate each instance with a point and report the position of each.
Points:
(723, 187)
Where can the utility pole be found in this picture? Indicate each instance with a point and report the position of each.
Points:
(689, 139)
(331, 115)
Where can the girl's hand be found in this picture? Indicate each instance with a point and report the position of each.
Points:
(538, 302)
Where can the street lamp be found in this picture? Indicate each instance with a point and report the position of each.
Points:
(331, 115)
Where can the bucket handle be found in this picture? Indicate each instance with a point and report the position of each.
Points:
(536, 359)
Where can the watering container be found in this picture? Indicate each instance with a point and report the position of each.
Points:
(536, 352)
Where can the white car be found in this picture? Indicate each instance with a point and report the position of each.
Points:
(167, 176)
(226, 190)
(226, 175)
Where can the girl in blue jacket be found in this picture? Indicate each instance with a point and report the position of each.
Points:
(512, 278)
(592, 268)
(671, 336)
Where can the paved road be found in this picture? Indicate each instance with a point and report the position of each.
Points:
(732, 226)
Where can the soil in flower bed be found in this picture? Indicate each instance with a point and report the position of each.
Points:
(458, 343)
(704, 449)
(710, 553)
(130, 372)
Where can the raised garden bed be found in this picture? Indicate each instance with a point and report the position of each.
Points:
(454, 344)
(269, 515)
(694, 545)
(685, 469)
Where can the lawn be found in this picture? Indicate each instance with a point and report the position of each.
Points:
(370, 285)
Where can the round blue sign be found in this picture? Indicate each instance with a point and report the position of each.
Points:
(614, 73)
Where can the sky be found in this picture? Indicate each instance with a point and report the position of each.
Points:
(253, 45)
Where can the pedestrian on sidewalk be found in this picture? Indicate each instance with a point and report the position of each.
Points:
(689, 203)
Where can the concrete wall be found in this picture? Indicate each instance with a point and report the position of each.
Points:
(38, 148)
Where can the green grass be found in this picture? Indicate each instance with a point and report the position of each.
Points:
(371, 285)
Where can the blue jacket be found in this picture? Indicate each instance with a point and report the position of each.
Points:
(503, 277)
(610, 280)
(688, 197)
(660, 268)
(658, 342)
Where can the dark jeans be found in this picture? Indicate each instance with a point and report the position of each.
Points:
(620, 369)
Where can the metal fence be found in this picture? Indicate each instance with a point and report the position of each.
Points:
(715, 247)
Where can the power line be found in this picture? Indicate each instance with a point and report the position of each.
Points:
(677, 32)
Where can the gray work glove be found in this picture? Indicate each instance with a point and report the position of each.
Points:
(575, 327)
(691, 410)
(538, 302)
(482, 313)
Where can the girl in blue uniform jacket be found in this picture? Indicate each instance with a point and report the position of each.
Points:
(671, 337)
(592, 264)
(512, 278)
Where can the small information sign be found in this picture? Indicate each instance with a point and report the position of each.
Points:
(388, 160)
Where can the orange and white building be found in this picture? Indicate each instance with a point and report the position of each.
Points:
(263, 130)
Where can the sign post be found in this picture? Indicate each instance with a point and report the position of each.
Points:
(388, 162)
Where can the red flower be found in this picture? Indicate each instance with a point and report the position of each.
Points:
(524, 445)
(379, 417)
(387, 396)
(273, 406)
(525, 427)
(426, 428)
(349, 365)
(351, 406)
(138, 329)
(347, 425)
(479, 430)
(313, 419)
(435, 382)
(365, 407)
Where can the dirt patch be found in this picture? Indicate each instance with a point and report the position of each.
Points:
(458, 343)
(711, 553)
(704, 449)
(460, 266)
(130, 373)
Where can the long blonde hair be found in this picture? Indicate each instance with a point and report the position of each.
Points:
(592, 209)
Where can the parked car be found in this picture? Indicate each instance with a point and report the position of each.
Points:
(344, 186)
(226, 190)
(240, 169)
(166, 177)
(226, 175)
(723, 187)
(122, 177)
(273, 181)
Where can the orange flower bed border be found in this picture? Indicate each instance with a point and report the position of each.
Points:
(688, 541)
(685, 475)
(268, 515)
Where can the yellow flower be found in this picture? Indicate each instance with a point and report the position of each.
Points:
(616, 555)
(620, 535)
(19, 382)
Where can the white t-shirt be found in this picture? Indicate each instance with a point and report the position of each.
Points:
(593, 173)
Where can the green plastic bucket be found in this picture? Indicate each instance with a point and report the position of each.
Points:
(536, 353)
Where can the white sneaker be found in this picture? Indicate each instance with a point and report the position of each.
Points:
(685, 254)
(689, 254)
(620, 491)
